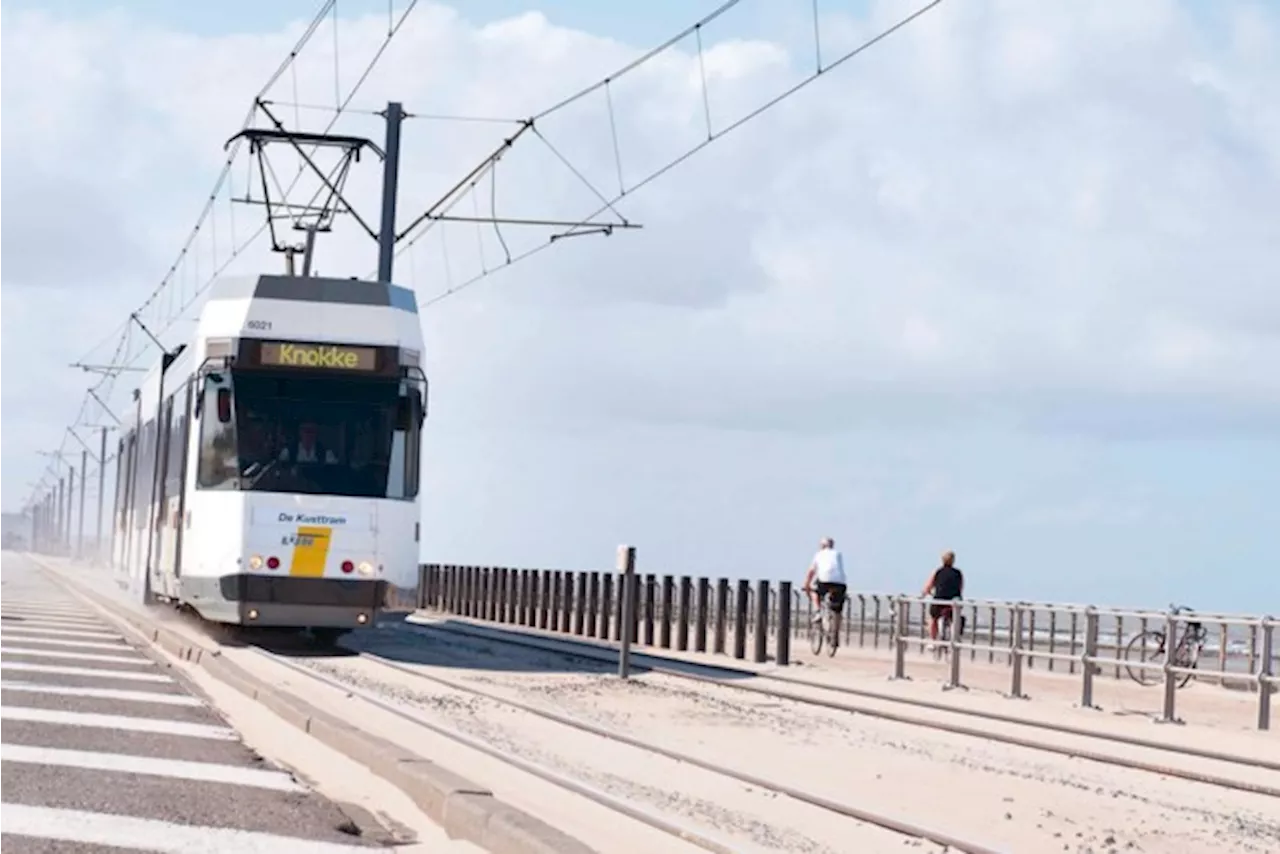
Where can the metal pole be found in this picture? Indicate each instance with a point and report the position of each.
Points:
(1264, 673)
(308, 253)
(390, 178)
(102, 491)
(1015, 653)
(71, 502)
(1087, 665)
(62, 511)
(627, 593)
(1168, 714)
(84, 480)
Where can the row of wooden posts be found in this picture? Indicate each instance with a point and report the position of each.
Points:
(667, 610)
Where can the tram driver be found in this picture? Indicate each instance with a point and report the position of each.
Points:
(308, 449)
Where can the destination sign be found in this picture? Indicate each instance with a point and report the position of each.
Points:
(322, 356)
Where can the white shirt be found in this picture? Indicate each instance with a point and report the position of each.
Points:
(830, 566)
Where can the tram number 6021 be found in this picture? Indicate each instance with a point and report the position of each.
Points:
(259, 325)
(297, 540)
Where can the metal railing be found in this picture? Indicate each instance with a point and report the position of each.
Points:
(735, 618)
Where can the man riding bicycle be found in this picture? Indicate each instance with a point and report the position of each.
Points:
(827, 568)
(946, 583)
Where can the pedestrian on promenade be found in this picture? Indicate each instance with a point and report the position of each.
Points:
(827, 568)
(946, 583)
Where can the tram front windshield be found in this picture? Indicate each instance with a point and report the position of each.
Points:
(326, 436)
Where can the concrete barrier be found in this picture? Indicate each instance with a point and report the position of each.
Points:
(464, 809)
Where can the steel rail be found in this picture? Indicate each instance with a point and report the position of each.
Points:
(1066, 729)
(541, 772)
(887, 822)
(958, 729)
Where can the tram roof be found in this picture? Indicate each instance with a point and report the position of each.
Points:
(316, 289)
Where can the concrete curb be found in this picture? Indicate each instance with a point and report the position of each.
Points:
(462, 808)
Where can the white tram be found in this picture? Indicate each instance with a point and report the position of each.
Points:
(269, 472)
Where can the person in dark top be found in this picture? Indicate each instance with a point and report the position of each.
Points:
(946, 582)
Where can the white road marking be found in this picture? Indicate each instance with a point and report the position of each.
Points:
(45, 606)
(116, 722)
(12, 613)
(75, 656)
(28, 631)
(128, 675)
(23, 609)
(85, 644)
(118, 831)
(181, 769)
(48, 619)
(59, 625)
(101, 693)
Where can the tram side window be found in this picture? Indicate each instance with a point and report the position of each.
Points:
(219, 467)
(124, 461)
(177, 447)
(146, 471)
(406, 444)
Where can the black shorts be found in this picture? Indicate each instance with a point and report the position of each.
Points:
(836, 593)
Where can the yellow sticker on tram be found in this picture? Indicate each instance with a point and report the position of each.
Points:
(310, 550)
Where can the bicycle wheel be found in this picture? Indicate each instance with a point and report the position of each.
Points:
(1186, 655)
(833, 642)
(816, 630)
(1146, 647)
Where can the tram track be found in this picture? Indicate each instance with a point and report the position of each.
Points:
(644, 662)
(712, 842)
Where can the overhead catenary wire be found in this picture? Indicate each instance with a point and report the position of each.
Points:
(712, 136)
(319, 18)
(121, 357)
(329, 8)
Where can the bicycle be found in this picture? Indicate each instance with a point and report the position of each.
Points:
(942, 646)
(1149, 646)
(827, 627)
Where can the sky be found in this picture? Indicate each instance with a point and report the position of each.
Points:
(1007, 283)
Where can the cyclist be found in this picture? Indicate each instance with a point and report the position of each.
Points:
(827, 568)
(946, 583)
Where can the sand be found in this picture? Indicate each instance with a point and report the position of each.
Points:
(1008, 797)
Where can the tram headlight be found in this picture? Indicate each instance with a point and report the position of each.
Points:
(255, 561)
(366, 568)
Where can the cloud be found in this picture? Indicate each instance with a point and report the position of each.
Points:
(1046, 224)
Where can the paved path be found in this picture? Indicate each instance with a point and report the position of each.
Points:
(104, 751)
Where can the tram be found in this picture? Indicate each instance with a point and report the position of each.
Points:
(269, 472)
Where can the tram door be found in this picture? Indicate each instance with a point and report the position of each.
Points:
(171, 494)
(161, 543)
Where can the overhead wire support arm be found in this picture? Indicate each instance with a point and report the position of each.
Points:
(106, 370)
(439, 211)
(106, 408)
(92, 455)
(134, 317)
(443, 202)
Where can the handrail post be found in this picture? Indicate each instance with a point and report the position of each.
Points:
(1015, 653)
(1167, 713)
(898, 637)
(1087, 659)
(953, 642)
(1268, 626)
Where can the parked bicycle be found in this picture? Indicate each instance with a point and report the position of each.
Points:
(1149, 647)
(825, 627)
